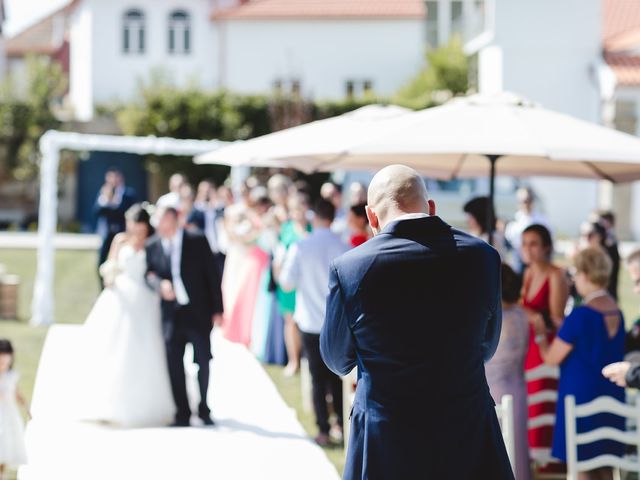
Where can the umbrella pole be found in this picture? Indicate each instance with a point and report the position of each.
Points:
(491, 214)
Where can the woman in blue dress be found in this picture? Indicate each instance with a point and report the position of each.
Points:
(591, 337)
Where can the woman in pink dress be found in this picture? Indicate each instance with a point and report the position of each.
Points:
(244, 266)
(505, 371)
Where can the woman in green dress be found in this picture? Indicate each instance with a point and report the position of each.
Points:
(291, 231)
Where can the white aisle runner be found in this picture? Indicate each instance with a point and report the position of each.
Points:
(257, 437)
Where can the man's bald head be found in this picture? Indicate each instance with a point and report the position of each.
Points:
(394, 191)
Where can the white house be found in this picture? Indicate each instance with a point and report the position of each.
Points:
(550, 51)
(325, 49)
(320, 48)
(545, 50)
(115, 44)
(621, 41)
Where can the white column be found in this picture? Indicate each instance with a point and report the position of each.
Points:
(444, 22)
(42, 304)
(490, 70)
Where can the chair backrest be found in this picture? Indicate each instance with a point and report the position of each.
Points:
(573, 438)
(542, 455)
(507, 425)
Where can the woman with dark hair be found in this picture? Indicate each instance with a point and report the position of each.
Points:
(595, 235)
(505, 371)
(358, 225)
(477, 210)
(545, 292)
(122, 339)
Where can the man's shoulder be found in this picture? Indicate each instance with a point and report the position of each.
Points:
(363, 252)
(466, 242)
(152, 243)
(379, 244)
(152, 240)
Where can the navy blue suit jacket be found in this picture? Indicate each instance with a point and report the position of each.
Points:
(418, 310)
(113, 215)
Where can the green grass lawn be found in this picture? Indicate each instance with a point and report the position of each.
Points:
(76, 288)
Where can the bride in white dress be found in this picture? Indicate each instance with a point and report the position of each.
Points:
(126, 380)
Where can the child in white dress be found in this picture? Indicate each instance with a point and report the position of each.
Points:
(12, 447)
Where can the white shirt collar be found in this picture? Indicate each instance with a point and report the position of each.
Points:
(410, 216)
(176, 240)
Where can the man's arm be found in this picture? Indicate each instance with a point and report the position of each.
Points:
(337, 345)
(290, 272)
(151, 277)
(494, 324)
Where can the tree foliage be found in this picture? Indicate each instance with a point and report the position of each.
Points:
(446, 71)
(164, 110)
(26, 112)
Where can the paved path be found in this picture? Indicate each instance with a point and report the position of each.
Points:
(258, 435)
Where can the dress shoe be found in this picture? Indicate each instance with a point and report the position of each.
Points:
(323, 440)
(208, 421)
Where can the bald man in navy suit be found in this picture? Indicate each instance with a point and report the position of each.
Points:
(417, 309)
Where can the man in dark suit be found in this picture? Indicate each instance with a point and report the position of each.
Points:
(207, 216)
(113, 200)
(181, 267)
(417, 309)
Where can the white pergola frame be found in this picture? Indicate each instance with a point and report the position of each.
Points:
(51, 144)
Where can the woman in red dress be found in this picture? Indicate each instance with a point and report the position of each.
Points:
(544, 295)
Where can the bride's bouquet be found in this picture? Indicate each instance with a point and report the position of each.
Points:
(109, 270)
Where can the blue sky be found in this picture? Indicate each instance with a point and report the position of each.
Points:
(22, 13)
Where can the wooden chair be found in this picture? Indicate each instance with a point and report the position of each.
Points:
(573, 438)
(507, 425)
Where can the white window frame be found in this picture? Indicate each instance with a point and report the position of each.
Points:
(180, 33)
(134, 32)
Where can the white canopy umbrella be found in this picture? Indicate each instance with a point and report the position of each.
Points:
(467, 137)
(307, 147)
(456, 139)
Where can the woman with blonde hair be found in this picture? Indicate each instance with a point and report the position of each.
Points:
(590, 338)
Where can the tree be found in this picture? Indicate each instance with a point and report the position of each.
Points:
(446, 71)
(165, 110)
(26, 112)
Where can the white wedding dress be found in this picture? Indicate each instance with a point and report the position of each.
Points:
(125, 378)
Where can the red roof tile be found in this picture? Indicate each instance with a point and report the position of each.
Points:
(45, 37)
(626, 68)
(619, 18)
(283, 9)
(621, 39)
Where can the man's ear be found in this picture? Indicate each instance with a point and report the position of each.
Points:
(432, 208)
(374, 222)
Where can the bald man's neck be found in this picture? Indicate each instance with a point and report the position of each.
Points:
(397, 213)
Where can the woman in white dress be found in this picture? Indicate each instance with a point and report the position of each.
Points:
(126, 381)
(12, 447)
